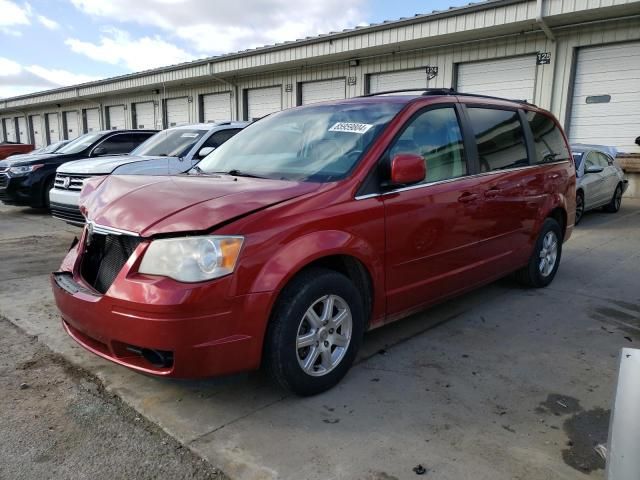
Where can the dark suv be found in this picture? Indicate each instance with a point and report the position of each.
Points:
(27, 181)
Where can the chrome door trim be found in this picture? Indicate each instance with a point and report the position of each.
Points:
(449, 180)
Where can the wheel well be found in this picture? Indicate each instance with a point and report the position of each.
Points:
(560, 216)
(354, 270)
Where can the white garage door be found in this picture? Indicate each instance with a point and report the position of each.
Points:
(10, 129)
(216, 107)
(606, 97)
(313, 92)
(92, 120)
(37, 131)
(405, 79)
(71, 129)
(177, 111)
(23, 135)
(53, 125)
(263, 101)
(144, 115)
(115, 117)
(513, 78)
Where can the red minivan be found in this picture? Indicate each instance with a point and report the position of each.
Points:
(312, 226)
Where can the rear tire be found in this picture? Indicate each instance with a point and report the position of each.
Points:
(315, 331)
(616, 201)
(545, 259)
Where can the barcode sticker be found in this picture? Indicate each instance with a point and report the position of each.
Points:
(351, 127)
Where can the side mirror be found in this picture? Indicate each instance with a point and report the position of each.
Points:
(593, 169)
(205, 151)
(407, 168)
(99, 151)
(638, 141)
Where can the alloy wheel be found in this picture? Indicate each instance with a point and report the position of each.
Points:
(324, 334)
(579, 208)
(548, 254)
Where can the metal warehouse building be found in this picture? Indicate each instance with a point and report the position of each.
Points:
(578, 58)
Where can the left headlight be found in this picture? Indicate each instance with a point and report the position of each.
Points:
(192, 259)
(23, 170)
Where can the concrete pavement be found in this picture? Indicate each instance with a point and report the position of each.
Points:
(502, 383)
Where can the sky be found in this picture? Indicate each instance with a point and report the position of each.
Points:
(47, 44)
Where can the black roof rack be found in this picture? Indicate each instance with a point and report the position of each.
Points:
(478, 95)
(425, 91)
(445, 91)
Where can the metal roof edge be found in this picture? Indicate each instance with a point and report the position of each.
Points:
(450, 12)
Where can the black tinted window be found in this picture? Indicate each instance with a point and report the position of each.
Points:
(123, 143)
(499, 137)
(548, 140)
(220, 137)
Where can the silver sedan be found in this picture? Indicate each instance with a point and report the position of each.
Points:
(600, 181)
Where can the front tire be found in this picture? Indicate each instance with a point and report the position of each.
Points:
(616, 201)
(579, 207)
(315, 332)
(46, 203)
(545, 259)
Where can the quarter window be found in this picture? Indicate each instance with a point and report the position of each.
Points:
(499, 137)
(435, 135)
(548, 140)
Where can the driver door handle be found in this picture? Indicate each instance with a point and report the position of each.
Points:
(467, 197)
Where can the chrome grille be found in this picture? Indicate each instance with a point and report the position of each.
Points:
(4, 181)
(69, 182)
(2, 169)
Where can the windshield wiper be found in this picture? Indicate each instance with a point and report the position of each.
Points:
(238, 173)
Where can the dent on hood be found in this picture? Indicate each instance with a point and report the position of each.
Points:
(169, 205)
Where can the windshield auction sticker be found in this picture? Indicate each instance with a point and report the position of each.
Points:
(351, 127)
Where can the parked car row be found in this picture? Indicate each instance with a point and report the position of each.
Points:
(171, 151)
(209, 250)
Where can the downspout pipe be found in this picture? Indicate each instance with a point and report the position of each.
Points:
(542, 22)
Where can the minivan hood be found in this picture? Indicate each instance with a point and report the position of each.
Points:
(164, 205)
(100, 165)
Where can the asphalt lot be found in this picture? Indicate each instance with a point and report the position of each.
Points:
(502, 383)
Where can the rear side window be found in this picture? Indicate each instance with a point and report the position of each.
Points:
(124, 143)
(499, 137)
(219, 137)
(548, 140)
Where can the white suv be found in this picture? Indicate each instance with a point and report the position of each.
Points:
(168, 152)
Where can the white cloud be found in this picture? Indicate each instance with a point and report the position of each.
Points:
(222, 27)
(48, 23)
(118, 48)
(16, 79)
(13, 15)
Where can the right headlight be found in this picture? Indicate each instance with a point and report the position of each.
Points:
(192, 259)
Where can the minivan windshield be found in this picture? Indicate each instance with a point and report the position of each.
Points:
(170, 143)
(79, 143)
(320, 143)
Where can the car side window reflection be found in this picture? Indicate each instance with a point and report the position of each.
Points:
(500, 139)
(435, 135)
